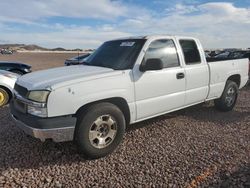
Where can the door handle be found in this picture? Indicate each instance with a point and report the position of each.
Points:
(180, 75)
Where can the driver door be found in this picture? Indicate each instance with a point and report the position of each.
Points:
(160, 91)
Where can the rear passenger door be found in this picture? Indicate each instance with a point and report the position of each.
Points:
(196, 71)
(163, 90)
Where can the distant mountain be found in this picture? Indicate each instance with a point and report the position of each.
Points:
(11, 45)
(58, 49)
(63, 49)
(32, 47)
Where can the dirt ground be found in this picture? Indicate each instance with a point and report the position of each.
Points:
(194, 147)
(39, 61)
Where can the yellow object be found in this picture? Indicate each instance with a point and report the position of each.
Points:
(4, 97)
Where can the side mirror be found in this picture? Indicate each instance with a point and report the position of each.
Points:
(151, 64)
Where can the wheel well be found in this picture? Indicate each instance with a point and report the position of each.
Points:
(119, 102)
(8, 91)
(235, 78)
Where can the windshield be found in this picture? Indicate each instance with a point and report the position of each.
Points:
(117, 55)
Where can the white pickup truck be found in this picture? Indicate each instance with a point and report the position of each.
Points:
(123, 82)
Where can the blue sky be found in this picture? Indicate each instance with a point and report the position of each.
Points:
(86, 24)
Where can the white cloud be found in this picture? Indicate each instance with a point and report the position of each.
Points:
(227, 12)
(216, 24)
(181, 9)
(73, 37)
(30, 10)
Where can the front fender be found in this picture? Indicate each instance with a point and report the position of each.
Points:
(67, 100)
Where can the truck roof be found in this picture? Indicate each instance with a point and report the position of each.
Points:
(153, 36)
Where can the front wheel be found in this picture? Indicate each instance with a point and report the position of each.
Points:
(99, 130)
(229, 97)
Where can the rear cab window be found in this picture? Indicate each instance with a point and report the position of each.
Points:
(190, 51)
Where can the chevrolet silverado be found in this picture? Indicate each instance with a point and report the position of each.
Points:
(123, 82)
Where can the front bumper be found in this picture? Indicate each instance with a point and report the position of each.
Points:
(57, 134)
(59, 129)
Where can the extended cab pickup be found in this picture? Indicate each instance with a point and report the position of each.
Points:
(123, 82)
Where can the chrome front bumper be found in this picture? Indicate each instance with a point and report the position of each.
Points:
(56, 134)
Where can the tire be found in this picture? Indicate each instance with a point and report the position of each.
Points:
(229, 97)
(99, 130)
(4, 97)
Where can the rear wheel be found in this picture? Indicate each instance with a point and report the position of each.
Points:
(229, 97)
(99, 130)
(4, 97)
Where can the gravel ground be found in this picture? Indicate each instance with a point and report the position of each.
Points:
(195, 147)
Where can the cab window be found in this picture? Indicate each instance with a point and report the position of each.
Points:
(190, 51)
(165, 50)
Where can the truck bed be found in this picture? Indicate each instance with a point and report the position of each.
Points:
(221, 70)
(211, 59)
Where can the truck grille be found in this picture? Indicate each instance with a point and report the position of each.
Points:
(19, 105)
(21, 90)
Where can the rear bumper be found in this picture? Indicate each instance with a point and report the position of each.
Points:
(59, 129)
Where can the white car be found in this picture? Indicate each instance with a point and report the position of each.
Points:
(7, 82)
(123, 82)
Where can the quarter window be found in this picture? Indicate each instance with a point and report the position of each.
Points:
(190, 51)
(165, 50)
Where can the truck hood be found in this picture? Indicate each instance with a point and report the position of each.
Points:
(46, 79)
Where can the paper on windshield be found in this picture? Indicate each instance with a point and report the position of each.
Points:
(129, 44)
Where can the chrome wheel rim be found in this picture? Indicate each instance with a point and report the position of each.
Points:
(2, 97)
(230, 97)
(103, 131)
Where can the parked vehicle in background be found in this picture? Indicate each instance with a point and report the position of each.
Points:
(15, 67)
(246, 55)
(207, 55)
(125, 81)
(76, 60)
(239, 54)
(6, 51)
(7, 82)
(228, 54)
(222, 55)
(213, 53)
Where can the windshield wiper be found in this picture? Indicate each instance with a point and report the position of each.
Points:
(85, 63)
(96, 65)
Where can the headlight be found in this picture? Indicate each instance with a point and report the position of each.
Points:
(37, 111)
(39, 96)
(26, 70)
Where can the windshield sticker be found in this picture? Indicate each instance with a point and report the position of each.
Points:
(129, 44)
